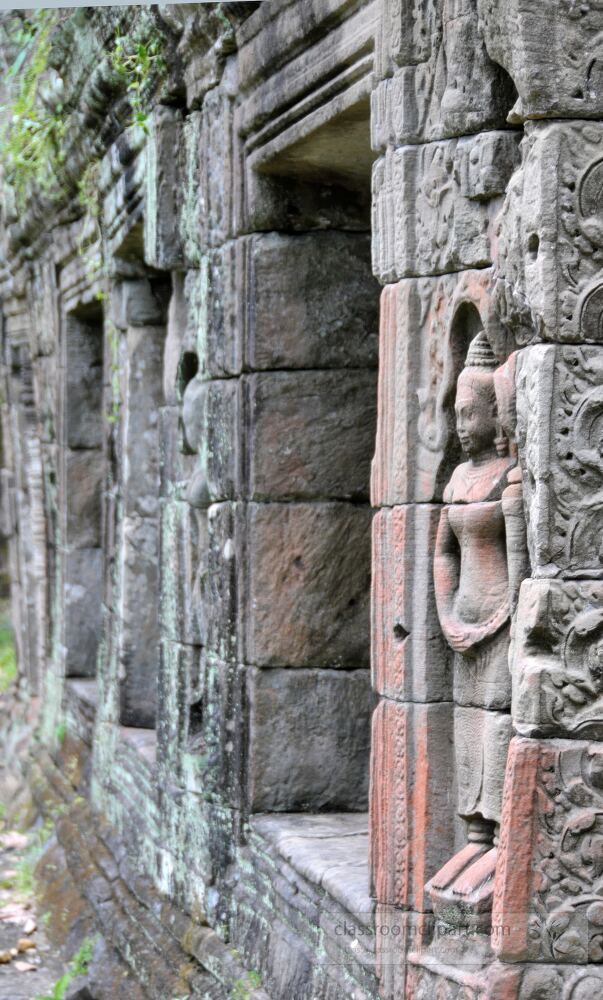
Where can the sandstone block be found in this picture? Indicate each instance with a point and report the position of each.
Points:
(139, 607)
(307, 586)
(83, 385)
(175, 467)
(547, 887)
(218, 584)
(409, 657)
(163, 189)
(559, 403)
(134, 303)
(83, 576)
(426, 326)
(310, 301)
(550, 51)
(211, 422)
(434, 204)
(547, 981)
(143, 397)
(397, 933)
(177, 686)
(558, 659)
(217, 731)
(298, 720)
(550, 243)
(311, 434)
(184, 563)
(412, 801)
(82, 497)
(440, 80)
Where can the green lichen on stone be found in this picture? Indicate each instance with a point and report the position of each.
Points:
(244, 987)
(191, 215)
(112, 334)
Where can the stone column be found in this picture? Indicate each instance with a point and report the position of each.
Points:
(446, 155)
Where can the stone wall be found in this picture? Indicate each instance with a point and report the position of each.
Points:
(197, 373)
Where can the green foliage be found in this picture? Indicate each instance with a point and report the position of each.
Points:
(24, 881)
(31, 137)
(243, 988)
(8, 658)
(89, 240)
(60, 733)
(140, 65)
(78, 966)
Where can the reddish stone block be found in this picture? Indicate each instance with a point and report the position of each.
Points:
(412, 805)
(397, 933)
(410, 659)
(426, 325)
(548, 904)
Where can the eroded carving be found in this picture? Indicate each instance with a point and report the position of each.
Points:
(560, 435)
(552, 896)
(558, 659)
(550, 236)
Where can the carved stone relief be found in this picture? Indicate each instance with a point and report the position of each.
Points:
(433, 204)
(426, 325)
(477, 566)
(552, 51)
(440, 80)
(549, 887)
(559, 421)
(550, 246)
(558, 659)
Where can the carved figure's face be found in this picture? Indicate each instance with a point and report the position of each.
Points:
(475, 410)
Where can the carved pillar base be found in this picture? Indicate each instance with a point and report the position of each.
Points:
(461, 892)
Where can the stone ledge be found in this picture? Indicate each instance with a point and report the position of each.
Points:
(329, 850)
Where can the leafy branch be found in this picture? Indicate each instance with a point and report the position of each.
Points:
(140, 65)
(34, 126)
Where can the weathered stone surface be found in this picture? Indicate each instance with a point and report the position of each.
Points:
(136, 303)
(307, 585)
(183, 554)
(218, 584)
(426, 326)
(212, 427)
(83, 594)
(139, 632)
(143, 396)
(550, 51)
(310, 301)
(434, 204)
(410, 659)
(550, 241)
(83, 361)
(83, 492)
(188, 340)
(441, 81)
(547, 888)
(559, 390)
(557, 669)
(311, 434)
(327, 712)
(163, 188)
(411, 801)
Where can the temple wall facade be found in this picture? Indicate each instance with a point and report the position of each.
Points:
(302, 397)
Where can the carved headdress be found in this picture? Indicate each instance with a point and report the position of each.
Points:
(480, 354)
